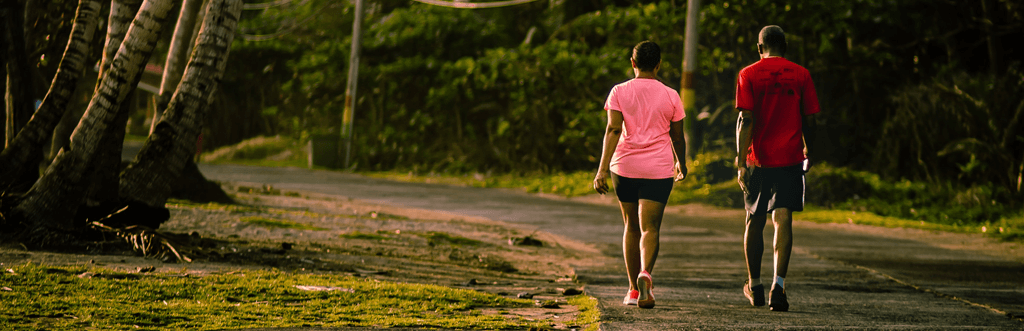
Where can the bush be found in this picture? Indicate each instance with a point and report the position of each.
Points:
(842, 188)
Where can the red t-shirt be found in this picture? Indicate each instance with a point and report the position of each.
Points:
(778, 92)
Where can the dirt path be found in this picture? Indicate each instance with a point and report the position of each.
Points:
(842, 276)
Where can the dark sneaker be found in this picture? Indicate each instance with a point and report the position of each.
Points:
(777, 299)
(754, 294)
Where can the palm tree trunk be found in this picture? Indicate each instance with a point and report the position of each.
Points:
(51, 202)
(177, 54)
(171, 145)
(103, 176)
(20, 99)
(16, 159)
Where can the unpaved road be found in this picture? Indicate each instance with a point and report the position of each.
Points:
(841, 276)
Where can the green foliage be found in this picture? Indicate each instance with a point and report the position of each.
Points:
(846, 189)
(55, 297)
(902, 86)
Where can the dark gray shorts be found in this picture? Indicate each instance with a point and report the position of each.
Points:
(633, 189)
(771, 188)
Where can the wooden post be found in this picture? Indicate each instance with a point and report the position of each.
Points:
(686, 91)
(353, 77)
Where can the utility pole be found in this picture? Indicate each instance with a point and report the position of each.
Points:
(687, 92)
(353, 78)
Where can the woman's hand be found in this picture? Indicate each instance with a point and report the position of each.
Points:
(601, 181)
(681, 171)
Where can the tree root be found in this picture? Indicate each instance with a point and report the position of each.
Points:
(149, 242)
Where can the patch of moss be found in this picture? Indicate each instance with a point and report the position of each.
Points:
(362, 235)
(437, 238)
(278, 223)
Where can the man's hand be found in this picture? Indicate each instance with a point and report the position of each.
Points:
(742, 176)
(681, 171)
(601, 181)
(807, 164)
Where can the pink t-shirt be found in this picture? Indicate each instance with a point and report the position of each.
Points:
(648, 107)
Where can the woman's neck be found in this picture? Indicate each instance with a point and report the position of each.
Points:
(646, 75)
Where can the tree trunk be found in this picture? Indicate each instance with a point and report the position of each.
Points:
(176, 55)
(101, 196)
(122, 12)
(171, 146)
(119, 20)
(20, 96)
(51, 202)
(18, 157)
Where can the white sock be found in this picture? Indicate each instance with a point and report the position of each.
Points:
(779, 282)
(755, 282)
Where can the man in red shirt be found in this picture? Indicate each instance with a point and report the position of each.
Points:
(776, 100)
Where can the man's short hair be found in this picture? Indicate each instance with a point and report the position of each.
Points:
(772, 37)
(646, 55)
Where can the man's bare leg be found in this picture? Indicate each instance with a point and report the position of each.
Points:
(631, 240)
(783, 219)
(753, 244)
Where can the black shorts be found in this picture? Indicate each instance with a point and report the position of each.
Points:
(771, 188)
(634, 189)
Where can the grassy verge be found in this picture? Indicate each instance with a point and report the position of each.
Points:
(564, 184)
(589, 314)
(64, 298)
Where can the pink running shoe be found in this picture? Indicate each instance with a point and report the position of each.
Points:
(631, 297)
(646, 284)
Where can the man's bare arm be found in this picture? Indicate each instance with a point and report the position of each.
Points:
(810, 130)
(744, 127)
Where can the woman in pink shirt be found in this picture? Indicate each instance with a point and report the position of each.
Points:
(643, 155)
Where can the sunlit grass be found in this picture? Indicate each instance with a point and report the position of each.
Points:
(74, 298)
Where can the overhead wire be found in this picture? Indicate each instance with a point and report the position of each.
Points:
(474, 5)
(442, 3)
(265, 5)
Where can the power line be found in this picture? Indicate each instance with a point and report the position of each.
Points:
(478, 5)
(264, 5)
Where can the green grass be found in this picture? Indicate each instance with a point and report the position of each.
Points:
(56, 298)
(278, 223)
(588, 315)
